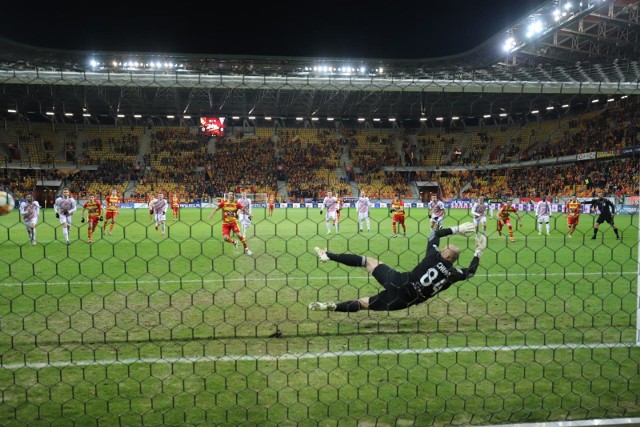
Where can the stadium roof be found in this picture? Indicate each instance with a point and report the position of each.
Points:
(562, 53)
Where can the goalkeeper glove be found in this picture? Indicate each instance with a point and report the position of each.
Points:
(466, 229)
(82, 220)
(481, 245)
(57, 215)
(392, 210)
(101, 219)
(320, 211)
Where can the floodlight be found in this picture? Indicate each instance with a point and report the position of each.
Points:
(137, 116)
(299, 119)
(509, 44)
(536, 27)
(120, 116)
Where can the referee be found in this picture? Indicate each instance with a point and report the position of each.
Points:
(607, 211)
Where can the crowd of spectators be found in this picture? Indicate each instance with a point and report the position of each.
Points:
(309, 165)
(20, 182)
(616, 177)
(610, 130)
(111, 173)
(96, 150)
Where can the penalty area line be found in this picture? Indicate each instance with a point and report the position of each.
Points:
(308, 355)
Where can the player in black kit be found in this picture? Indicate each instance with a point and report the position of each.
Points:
(433, 274)
(607, 211)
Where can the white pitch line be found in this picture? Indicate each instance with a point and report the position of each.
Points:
(307, 355)
(293, 279)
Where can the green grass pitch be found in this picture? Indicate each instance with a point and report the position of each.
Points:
(141, 329)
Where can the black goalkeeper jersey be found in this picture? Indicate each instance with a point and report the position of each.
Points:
(605, 207)
(434, 273)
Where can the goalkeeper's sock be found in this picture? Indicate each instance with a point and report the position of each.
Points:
(348, 259)
(615, 230)
(348, 306)
(595, 231)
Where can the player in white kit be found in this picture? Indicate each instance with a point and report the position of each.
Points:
(64, 208)
(244, 215)
(543, 213)
(436, 212)
(30, 211)
(362, 205)
(479, 212)
(330, 203)
(159, 205)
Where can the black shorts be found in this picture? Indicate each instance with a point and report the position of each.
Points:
(605, 218)
(398, 292)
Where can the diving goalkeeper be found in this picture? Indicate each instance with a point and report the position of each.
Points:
(435, 273)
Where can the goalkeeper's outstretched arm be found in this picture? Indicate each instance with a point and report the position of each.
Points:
(464, 229)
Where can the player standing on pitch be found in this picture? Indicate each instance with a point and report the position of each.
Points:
(607, 211)
(64, 208)
(30, 211)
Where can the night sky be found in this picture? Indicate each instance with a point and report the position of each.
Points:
(397, 29)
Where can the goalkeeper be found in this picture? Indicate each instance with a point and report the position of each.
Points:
(435, 273)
